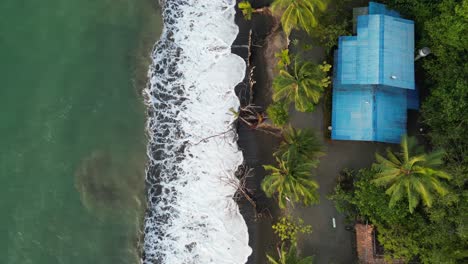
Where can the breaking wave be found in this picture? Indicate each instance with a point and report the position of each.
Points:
(193, 154)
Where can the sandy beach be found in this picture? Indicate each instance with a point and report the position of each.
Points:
(257, 147)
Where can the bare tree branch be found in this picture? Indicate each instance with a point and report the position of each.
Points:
(216, 135)
(240, 184)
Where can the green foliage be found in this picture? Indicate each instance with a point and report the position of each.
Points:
(372, 201)
(289, 257)
(303, 84)
(300, 144)
(278, 113)
(325, 67)
(441, 26)
(343, 195)
(284, 59)
(290, 181)
(445, 109)
(246, 9)
(288, 228)
(342, 199)
(449, 29)
(444, 112)
(306, 47)
(328, 34)
(435, 235)
(411, 174)
(298, 14)
(296, 156)
(364, 200)
(334, 23)
(295, 42)
(234, 112)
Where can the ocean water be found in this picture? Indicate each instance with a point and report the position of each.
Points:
(191, 217)
(72, 129)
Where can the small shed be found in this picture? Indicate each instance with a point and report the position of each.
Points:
(373, 84)
(368, 250)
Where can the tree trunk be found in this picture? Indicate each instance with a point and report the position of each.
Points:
(263, 11)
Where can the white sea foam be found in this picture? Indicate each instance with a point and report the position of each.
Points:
(191, 215)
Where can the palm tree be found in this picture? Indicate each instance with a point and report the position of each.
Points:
(298, 14)
(248, 10)
(412, 174)
(300, 144)
(278, 114)
(303, 85)
(284, 58)
(290, 181)
(289, 257)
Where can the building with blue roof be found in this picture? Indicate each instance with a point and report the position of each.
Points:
(373, 84)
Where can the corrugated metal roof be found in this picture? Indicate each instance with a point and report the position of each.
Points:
(381, 9)
(373, 73)
(369, 113)
(381, 53)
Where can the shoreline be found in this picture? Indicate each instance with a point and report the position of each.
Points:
(192, 71)
(257, 147)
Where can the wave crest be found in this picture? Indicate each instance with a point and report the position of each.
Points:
(191, 216)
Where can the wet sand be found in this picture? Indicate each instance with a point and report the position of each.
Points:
(257, 147)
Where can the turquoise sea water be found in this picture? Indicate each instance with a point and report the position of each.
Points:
(72, 142)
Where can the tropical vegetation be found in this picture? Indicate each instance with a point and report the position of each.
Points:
(290, 181)
(302, 85)
(302, 144)
(441, 26)
(246, 9)
(289, 257)
(278, 113)
(430, 235)
(284, 59)
(419, 213)
(411, 174)
(298, 14)
(288, 228)
(436, 232)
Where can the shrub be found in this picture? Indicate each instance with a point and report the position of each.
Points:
(278, 113)
(288, 228)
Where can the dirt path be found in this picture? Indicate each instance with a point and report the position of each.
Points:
(330, 245)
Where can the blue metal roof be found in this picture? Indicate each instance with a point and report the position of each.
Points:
(369, 113)
(381, 9)
(373, 72)
(381, 53)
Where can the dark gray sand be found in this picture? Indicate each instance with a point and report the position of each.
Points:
(329, 245)
(334, 245)
(257, 147)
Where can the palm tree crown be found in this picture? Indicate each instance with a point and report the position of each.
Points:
(300, 144)
(303, 85)
(246, 9)
(412, 174)
(298, 14)
(289, 257)
(290, 180)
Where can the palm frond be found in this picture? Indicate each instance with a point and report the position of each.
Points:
(397, 192)
(423, 191)
(412, 174)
